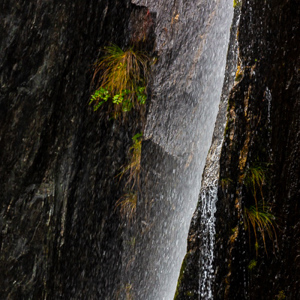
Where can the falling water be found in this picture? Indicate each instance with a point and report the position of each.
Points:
(208, 195)
(178, 135)
(208, 199)
(268, 96)
(269, 99)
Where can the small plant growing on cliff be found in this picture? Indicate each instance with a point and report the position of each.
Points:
(133, 168)
(255, 178)
(252, 264)
(122, 79)
(127, 204)
(225, 182)
(281, 296)
(237, 3)
(260, 218)
(128, 289)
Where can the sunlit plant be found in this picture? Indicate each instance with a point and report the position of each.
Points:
(281, 296)
(238, 74)
(121, 79)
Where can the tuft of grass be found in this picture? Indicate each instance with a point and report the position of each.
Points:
(132, 242)
(127, 204)
(133, 168)
(121, 78)
(128, 291)
(260, 218)
(255, 178)
(233, 230)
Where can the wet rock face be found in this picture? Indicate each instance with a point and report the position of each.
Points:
(190, 285)
(262, 128)
(60, 234)
(191, 41)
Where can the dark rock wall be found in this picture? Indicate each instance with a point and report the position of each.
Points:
(263, 127)
(60, 233)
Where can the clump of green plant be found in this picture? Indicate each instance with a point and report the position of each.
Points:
(237, 3)
(252, 264)
(121, 79)
(281, 296)
(128, 291)
(260, 218)
(133, 168)
(132, 242)
(255, 178)
(124, 290)
(233, 230)
(127, 203)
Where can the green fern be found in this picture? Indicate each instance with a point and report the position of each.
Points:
(122, 79)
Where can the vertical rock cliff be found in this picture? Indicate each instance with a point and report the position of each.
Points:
(60, 233)
(262, 136)
(259, 167)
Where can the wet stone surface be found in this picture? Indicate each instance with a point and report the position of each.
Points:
(60, 233)
(61, 236)
(262, 128)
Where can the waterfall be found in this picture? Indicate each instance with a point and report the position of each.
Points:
(208, 197)
(185, 100)
(207, 208)
(209, 191)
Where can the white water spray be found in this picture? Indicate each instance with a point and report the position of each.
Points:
(180, 127)
(208, 199)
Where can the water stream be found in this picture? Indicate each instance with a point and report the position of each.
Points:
(207, 207)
